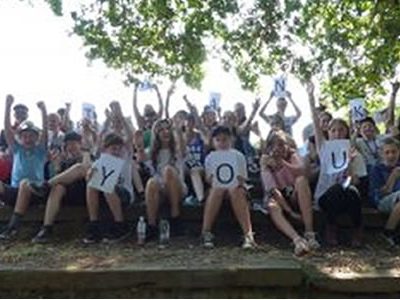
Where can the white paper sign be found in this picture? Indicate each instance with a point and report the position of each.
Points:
(215, 100)
(145, 86)
(107, 170)
(335, 156)
(88, 111)
(280, 86)
(357, 109)
(225, 167)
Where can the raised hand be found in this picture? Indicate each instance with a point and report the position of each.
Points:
(41, 105)
(9, 100)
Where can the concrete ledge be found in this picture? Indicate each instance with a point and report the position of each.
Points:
(286, 274)
(384, 282)
(372, 218)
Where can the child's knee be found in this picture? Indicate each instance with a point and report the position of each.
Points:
(169, 174)
(152, 186)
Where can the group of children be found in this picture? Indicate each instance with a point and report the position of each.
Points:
(181, 159)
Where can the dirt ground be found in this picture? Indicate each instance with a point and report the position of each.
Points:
(69, 253)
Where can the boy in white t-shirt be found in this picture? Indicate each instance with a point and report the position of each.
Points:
(226, 172)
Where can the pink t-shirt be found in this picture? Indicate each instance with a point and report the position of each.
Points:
(283, 177)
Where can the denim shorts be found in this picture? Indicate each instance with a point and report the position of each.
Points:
(388, 202)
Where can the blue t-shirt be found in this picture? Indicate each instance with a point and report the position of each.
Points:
(377, 179)
(196, 150)
(28, 164)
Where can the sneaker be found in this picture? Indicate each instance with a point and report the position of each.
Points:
(8, 234)
(300, 247)
(118, 233)
(43, 236)
(208, 240)
(312, 241)
(191, 201)
(93, 233)
(249, 242)
(40, 190)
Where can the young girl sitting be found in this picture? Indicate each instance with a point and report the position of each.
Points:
(222, 138)
(335, 194)
(166, 156)
(286, 187)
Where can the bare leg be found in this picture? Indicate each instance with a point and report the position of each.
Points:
(212, 207)
(280, 221)
(23, 198)
(174, 190)
(152, 200)
(137, 181)
(92, 203)
(114, 202)
(198, 185)
(74, 173)
(53, 204)
(241, 209)
(394, 218)
(302, 188)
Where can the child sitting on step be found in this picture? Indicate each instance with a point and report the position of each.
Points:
(385, 187)
(237, 194)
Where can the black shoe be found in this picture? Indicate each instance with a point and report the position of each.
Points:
(40, 190)
(43, 236)
(93, 234)
(119, 232)
(151, 233)
(8, 234)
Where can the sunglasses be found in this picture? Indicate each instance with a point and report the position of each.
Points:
(163, 124)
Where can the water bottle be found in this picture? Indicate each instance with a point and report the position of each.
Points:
(164, 233)
(141, 231)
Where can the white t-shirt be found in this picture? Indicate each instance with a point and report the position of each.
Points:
(325, 181)
(214, 165)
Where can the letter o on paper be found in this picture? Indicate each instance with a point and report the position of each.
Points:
(225, 173)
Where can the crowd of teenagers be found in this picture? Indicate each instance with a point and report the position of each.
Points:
(171, 161)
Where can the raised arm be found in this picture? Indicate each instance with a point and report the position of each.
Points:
(392, 105)
(319, 137)
(160, 102)
(138, 116)
(199, 123)
(106, 127)
(44, 135)
(263, 115)
(167, 100)
(117, 111)
(66, 121)
(179, 139)
(9, 133)
(248, 124)
(296, 108)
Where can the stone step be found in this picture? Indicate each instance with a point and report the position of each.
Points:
(372, 218)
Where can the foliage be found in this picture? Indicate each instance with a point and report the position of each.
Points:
(351, 46)
(153, 37)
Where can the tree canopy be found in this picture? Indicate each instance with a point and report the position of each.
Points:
(350, 46)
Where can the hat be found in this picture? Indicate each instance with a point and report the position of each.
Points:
(221, 130)
(28, 126)
(72, 136)
(20, 107)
